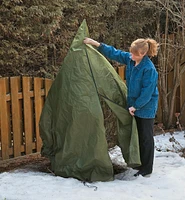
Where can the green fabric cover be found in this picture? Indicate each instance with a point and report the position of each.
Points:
(72, 123)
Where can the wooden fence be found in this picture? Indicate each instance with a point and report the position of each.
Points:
(21, 102)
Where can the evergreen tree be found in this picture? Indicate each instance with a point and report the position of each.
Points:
(25, 29)
(36, 34)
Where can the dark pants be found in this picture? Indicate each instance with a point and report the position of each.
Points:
(146, 143)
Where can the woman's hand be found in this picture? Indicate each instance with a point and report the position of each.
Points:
(132, 110)
(92, 42)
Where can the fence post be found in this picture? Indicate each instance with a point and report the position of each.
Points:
(121, 72)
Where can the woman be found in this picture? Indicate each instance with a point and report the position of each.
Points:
(142, 99)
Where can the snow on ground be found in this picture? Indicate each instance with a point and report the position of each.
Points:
(166, 182)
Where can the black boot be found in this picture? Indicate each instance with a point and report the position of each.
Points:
(142, 173)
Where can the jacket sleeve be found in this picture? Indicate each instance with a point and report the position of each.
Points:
(149, 85)
(114, 54)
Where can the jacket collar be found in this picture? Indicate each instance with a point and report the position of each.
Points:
(139, 66)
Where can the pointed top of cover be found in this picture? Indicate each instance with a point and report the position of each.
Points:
(80, 36)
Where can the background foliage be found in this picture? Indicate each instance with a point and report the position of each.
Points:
(36, 34)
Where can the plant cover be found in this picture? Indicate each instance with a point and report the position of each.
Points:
(72, 123)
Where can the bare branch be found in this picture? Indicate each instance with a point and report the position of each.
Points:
(183, 68)
(169, 9)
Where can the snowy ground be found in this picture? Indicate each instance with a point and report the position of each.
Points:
(166, 182)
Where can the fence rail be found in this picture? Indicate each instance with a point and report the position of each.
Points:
(21, 102)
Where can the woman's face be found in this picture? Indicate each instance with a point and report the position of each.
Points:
(137, 57)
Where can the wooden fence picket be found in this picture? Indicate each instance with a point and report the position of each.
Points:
(17, 130)
(28, 113)
(39, 102)
(48, 84)
(4, 120)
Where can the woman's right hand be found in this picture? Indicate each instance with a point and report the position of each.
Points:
(132, 110)
(92, 42)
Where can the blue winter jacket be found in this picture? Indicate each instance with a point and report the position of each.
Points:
(141, 81)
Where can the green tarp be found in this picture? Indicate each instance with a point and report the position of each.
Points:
(72, 123)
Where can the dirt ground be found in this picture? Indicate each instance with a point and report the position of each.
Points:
(35, 162)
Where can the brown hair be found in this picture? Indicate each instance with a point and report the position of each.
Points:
(148, 46)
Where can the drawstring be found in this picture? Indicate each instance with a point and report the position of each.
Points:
(90, 186)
